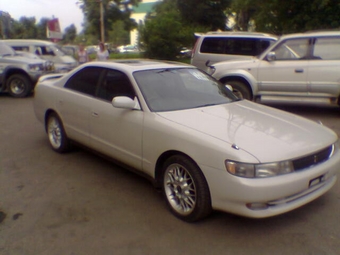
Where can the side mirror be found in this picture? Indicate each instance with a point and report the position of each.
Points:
(125, 103)
(271, 56)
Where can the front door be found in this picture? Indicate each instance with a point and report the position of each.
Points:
(287, 74)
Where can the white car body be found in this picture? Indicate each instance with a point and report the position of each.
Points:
(298, 68)
(240, 131)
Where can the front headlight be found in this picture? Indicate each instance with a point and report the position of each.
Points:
(36, 67)
(259, 170)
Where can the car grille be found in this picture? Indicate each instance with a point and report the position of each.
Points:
(314, 159)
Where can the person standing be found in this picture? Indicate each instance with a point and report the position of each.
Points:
(102, 53)
(83, 57)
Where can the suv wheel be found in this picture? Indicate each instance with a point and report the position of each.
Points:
(19, 85)
(240, 89)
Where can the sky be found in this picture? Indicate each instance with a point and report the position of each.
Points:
(67, 11)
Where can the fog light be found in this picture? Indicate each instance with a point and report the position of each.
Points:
(257, 206)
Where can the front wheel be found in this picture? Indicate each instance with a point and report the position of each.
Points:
(240, 89)
(185, 189)
(56, 134)
(19, 85)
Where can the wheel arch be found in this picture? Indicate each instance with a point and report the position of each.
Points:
(249, 81)
(161, 160)
(9, 72)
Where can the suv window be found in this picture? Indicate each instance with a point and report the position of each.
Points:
(234, 46)
(85, 81)
(327, 48)
(292, 49)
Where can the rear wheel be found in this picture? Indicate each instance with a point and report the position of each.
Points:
(19, 85)
(240, 89)
(56, 134)
(185, 189)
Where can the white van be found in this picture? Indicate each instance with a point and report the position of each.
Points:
(222, 46)
(46, 50)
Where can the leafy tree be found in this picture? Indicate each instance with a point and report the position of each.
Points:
(208, 13)
(70, 34)
(164, 34)
(118, 35)
(41, 28)
(173, 23)
(282, 17)
(24, 29)
(113, 11)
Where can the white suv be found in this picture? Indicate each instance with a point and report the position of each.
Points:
(298, 68)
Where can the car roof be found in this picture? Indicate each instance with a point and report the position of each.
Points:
(312, 34)
(132, 65)
(28, 41)
(241, 34)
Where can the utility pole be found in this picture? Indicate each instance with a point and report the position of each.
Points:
(102, 28)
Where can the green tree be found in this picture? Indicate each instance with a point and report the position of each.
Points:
(70, 34)
(113, 11)
(164, 33)
(24, 29)
(41, 28)
(171, 26)
(289, 16)
(208, 13)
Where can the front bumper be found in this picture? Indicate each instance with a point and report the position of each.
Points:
(275, 195)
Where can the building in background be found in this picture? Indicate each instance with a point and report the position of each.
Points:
(138, 14)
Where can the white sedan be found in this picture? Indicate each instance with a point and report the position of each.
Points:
(191, 136)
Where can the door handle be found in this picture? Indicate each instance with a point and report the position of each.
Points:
(298, 70)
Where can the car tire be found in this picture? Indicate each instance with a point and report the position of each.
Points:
(240, 89)
(56, 134)
(185, 189)
(19, 85)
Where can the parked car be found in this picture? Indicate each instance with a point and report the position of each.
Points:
(215, 47)
(49, 65)
(18, 74)
(191, 136)
(299, 68)
(46, 50)
(128, 49)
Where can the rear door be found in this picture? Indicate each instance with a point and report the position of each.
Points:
(324, 67)
(76, 101)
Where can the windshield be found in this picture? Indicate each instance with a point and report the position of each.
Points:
(6, 50)
(181, 88)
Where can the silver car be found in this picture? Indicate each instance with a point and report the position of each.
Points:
(190, 136)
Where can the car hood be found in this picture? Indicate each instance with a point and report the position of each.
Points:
(235, 64)
(266, 133)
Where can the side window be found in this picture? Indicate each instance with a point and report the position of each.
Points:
(294, 49)
(85, 81)
(234, 45)
(20, 48)
(213, 45)
(327, 48)
(115, 83)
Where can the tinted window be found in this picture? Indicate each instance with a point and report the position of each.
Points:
(327, 48)
(85, 81)
(115, 83)
(235, 46)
